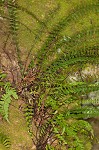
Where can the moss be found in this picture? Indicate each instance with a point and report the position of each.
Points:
(16, 130)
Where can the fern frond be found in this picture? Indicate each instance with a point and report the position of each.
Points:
(68, 44)
(6, 100)
(12, 17)
(29, 13)
(5, 140)
(90, 102)
(80, 89)
(54, 34)
(83, 112)
(73, 131)
(13, 24)
(85, 54)
(29, 115)
(2, 76)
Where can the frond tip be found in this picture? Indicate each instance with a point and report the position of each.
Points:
(4, 140)
(6, 100)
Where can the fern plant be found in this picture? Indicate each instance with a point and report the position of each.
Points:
(59, 47)
(29, 115)
(4, 140)
(6, 97)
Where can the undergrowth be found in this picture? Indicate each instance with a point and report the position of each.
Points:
(56, 108)
(6, 95)
(5, 140)
(5, 99)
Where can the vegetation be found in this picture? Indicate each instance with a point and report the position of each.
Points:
(57, 47)
(4, 140)
(5, 100)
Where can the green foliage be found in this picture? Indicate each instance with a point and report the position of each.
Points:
(86, 112)
(69, 133)
(2, 2)
(6, 97)
(12, 18)
(13, 24)
(29, 115)
(65, 22)
(4, 140)
(48, 147)
(58, 108)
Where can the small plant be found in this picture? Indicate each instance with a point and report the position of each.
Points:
(4, 140)
(7, 93)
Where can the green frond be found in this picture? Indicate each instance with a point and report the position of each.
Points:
(73, 131)
(85, 54)
(46, 21)
(29, 13)
(6, 100)
(82, 113)
(2, 76)
(90, 102)
(4, 140)
(60, 95)
(49, 147)
(82, 43)
(12, 17)
(80, 89)
(13, 24)
(54, 34)
(28, 111)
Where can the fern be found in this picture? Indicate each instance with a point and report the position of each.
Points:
(2, 76)
(6, 98)
(62, 24)
(29, 115)
(84, 112)
(90, 102)
(13, 25)
(13, 18)
(67, 44)
(4, 140)
(72, 131)
(70, 59)
(48, 147)
(58, 109)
